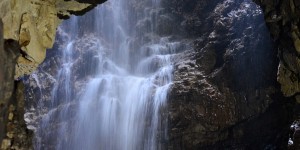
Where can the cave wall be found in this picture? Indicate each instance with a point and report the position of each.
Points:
(225, 93)
(9, 53)
(282, 18)
(28, 29)
(31, 35)
(33, 24)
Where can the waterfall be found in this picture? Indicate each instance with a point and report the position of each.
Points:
(126, 80)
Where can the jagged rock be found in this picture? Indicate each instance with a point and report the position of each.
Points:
(33, 23)
(282, 18)
(294, 141)
(226, 86)
(40, 84)
(12, 126)
(29, 27)
(9, 51)
(225, 94)
(6, 143)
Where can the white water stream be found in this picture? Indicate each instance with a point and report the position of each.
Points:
(119, 106)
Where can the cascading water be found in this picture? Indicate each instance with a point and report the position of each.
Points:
(119, 106)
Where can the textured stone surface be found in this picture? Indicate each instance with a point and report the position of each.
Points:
(225, 94)
(40, 84)
(33, 24)
(18, 137)
(282, 18)
(2, 78)
(12, 126)
(28, 29)
(8, 55)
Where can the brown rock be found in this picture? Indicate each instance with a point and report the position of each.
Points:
(6, 143)
(24, 32)
(33, 24)
(30, 26)
(283, 20)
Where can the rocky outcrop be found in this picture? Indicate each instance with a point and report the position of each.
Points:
(225, 94)
(33, 24)
(9, 51)
(28, 29)
(40, 106)
(282, 18)
(17, 135)
(13, 129)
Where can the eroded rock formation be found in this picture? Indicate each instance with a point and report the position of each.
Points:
(28, 29)
(282, 18)
(225, 94)
(225, 87)
(33, 24)
(11, 113)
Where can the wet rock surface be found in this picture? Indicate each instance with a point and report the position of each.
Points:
(225, 93)
(18, 137)
(13, 132)
(294, 138)
(41, 84)
(28, 28)
(282, 18)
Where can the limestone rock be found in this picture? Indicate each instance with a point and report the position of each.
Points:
(288, 80)
(29, 27)
(225, 87)
(8, 56)
(10, 116)
(33, 24)
(24, 31)
(282, 18)
(225, 92)
(6, 143)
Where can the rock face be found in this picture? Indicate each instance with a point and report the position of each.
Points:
(17, 135)
(33, 24)
(282, 18)
(9, 51)
(13, 129)
(28, 29)
(40, 85)
(225, 93)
